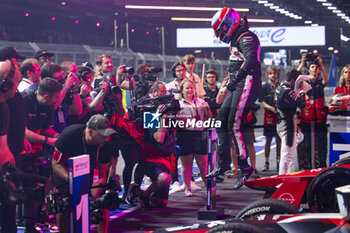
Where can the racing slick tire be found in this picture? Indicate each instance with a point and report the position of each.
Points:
(267, 206)
(321, 196)
(345, 160)
(236, 227)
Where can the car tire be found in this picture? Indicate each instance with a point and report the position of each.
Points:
(321, 196)
(236, 228)
(345, 160)
(267, 206)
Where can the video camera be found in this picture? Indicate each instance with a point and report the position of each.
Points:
(8, 191)
(56, 203)
(151, 104)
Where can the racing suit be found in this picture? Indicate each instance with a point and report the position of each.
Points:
(287, 103)
(243, 90)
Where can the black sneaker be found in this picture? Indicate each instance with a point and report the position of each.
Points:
(131, 197)
(243, 176)
(219, 179)
(216, 172)
(143, 201)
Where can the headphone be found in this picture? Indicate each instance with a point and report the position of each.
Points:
(7, 84)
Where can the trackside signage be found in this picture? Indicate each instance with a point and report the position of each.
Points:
(268, 36)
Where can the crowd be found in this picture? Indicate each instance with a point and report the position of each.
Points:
(51, 112)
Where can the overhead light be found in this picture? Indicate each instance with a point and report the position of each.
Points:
(308, 22)
(331, 8)
(336, 51)
(63, 3)
(262, 2)
(326, 4)
(321, 0)
(341, 14)
(279, 10)
(330, 48)
(336, 11)
(345, 17)
(274, 7)
(183, 8)
(314, 24)
(268, 4)
(209, 20)
(344, 38)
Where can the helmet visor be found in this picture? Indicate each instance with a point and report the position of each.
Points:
(222, 30)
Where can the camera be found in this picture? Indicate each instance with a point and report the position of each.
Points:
(129, 70)
(8, 191)
(172, 105)
(56, 203)
(312, 57)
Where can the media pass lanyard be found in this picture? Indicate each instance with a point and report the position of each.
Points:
(96, 171)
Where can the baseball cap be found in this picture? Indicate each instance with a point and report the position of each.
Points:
(101, 124)
(43, 53)
(9, 52)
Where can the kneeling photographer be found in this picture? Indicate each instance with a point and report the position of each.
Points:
(158, 145)
(75, 140)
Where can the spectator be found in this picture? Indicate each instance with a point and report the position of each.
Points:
(315, 112)
(192, 140)
(43, 56)
(287, 103)
(268, 101)
(211, 91)
(30, 71)
(189, 61)
(179, 73)
(344, 82)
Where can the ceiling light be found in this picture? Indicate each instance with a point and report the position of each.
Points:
(314, 24)
(345, 17)
(262, 2)
(336, 11)
(308, 22)
(268, 4)
(331, 8)
(321, 0)
(274, 7)
(341, 14)
(63, 3)
(344, 38)
(209, 20)
(183, 8)
(330, 48)
(326, 4)
(279, 10)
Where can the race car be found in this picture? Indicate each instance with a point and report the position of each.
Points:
(314, 187)
(264, 216)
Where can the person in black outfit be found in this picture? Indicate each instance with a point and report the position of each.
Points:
(287, 103)
(9, 79)
(76, 140)
(244, 85)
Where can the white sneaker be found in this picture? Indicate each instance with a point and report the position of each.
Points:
(194, 186)
(188, 193)
(176, 187)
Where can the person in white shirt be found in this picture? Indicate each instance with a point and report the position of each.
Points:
(179, 73)
(189, 61)
(30, 71)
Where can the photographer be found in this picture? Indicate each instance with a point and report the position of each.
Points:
(315, 110)
(146, 76)
(90, 105)
(157, 162)
(75, 140)
(9, 82)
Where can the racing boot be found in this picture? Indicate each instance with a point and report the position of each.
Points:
(266, 167)
(243, 176)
